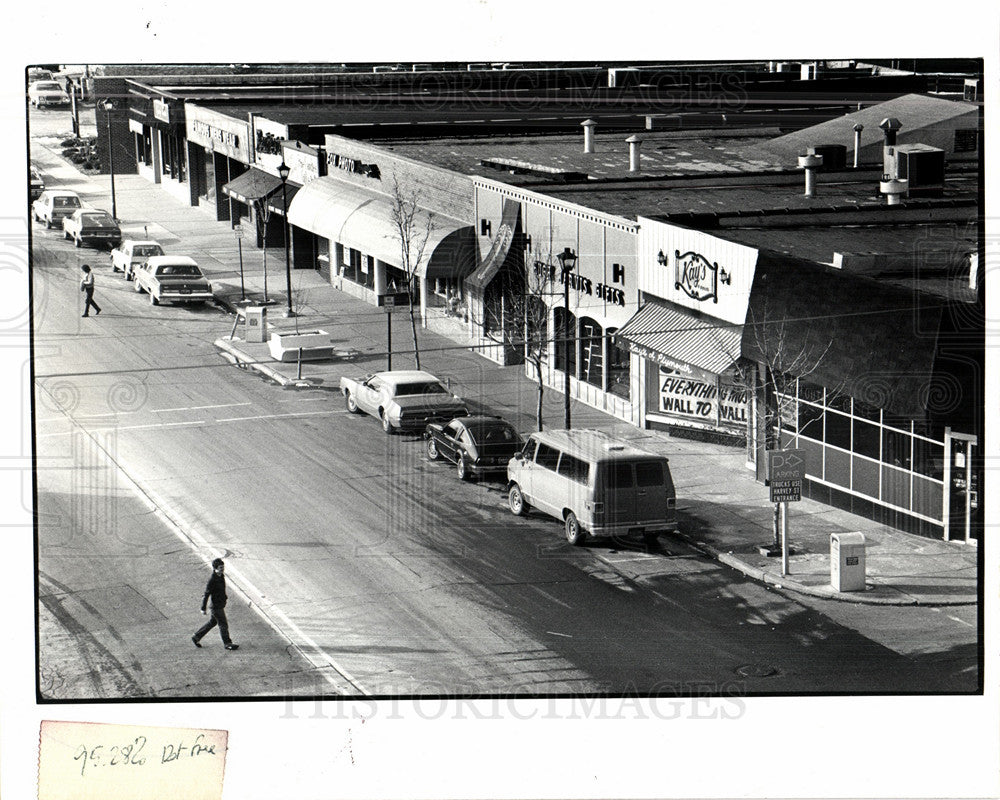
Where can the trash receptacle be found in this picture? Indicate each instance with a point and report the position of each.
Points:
(847, 562)
(256, 318)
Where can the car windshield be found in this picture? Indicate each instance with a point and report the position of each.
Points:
(423, 387)
(96, 219)
(147, 250)
(187, 270)
(49, 87)
(66, 202)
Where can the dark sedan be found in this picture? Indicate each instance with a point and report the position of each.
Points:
(476, 445)
(92, 225)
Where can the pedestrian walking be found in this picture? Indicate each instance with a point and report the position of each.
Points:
(216, 592)
(87, 285)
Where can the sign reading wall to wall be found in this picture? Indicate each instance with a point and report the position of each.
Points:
(697, 396)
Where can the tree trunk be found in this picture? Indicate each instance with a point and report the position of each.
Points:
(413, 327)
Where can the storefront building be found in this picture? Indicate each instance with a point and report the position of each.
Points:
(218, 147)
(521, 235)
(157, 127)
(367, 204)
(779, 351)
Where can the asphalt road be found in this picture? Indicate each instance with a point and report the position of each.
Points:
(356, 565)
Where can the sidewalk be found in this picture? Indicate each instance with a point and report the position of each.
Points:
(722, 510)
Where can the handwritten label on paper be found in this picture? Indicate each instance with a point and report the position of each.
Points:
(95, 761)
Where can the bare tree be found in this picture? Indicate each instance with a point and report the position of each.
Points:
(516, 316)
(413, 228)
(786, 359)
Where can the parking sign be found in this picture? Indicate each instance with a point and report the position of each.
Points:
(786, 469)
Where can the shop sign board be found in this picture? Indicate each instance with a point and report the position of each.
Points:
(698, 396)
(786, 469)
(161, 110)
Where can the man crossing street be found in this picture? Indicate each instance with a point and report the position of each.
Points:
(216, 592)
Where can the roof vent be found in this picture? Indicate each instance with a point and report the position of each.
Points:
(588, 135)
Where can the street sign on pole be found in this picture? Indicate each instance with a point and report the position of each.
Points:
(392, 300)
(786, 469)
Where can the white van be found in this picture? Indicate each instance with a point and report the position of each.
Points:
(596, 484)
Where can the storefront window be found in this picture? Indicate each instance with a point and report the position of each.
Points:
(896, 448)
(928, 458)
(811, 421)
(838, 430)
(591, 352)
(537, 325)
(618, 366)
(811, 393)
(565, 330)
(866, 439)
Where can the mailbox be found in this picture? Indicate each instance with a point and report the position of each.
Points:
(256, 319)
(847, 562)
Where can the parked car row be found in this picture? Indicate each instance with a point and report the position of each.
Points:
(595, 484)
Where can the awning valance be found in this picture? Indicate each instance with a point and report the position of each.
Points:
(277, 203)
(252, 185)
(673, 337)
(497, 254)
(363, 219)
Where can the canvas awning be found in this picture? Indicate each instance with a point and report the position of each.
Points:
(668, 334)
(277, 203)
(363, 219)
(497, 254)
(252, 185)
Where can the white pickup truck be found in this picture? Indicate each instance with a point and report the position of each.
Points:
(131, 253)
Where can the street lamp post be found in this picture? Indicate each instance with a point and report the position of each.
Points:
(283, 171)
(108, 107)
(567, 258)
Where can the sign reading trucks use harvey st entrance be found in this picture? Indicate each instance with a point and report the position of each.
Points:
(787, 471)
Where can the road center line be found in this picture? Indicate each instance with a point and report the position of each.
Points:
(196, 408)
(290, 414)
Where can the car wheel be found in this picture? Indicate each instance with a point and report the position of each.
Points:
(386, 425)
(574, 533)
(650, 538)
(48, 224)
(516, 500)
(152, 299)
(77, 241)
(352, 404)
(136, 287)
(462, 468)
(432, 449)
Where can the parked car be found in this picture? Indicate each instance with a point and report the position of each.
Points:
(131, 253)
(92, 225)
(175, 279)
(53, 205)
(35, 183)
(476, 444)
(406, 400)
(47, 93)
(594, 483)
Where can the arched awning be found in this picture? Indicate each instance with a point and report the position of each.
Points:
(363, 219)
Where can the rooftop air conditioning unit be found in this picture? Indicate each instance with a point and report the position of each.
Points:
(922, 166)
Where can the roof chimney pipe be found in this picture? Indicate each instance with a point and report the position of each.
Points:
(588, 135)
(857, 143)
(810, 162)
(890, 126)
(634, 141)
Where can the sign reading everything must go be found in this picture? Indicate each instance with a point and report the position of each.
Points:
(706, 400)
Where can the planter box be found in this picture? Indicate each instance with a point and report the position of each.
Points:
(316, 345)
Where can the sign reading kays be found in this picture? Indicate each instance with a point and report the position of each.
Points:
(697, 277)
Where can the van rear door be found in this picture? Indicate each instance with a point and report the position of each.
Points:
(619, 495)
(654, 489)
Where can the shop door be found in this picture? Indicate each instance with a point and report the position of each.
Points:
(961, 491)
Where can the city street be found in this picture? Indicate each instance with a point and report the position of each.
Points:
(356, 566)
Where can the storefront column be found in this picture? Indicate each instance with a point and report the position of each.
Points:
(423, 301)
(379, 277)
(157, 155)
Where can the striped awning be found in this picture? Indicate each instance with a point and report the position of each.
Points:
(668, 334)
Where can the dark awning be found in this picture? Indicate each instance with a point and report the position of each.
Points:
(855, 335)
(668, 334)
(494, 259)
(277, 203)
(252, 185)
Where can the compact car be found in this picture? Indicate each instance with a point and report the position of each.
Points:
(92, 225)
(476, 445)
(54, 205)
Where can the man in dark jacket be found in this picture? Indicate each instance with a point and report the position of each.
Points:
(216, 591)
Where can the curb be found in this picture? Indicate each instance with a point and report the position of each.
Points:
(240, 359)
(786, 584)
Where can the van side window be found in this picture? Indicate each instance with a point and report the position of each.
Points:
(648, 473)
(547, 456)
(573, 468)
(618, 475)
